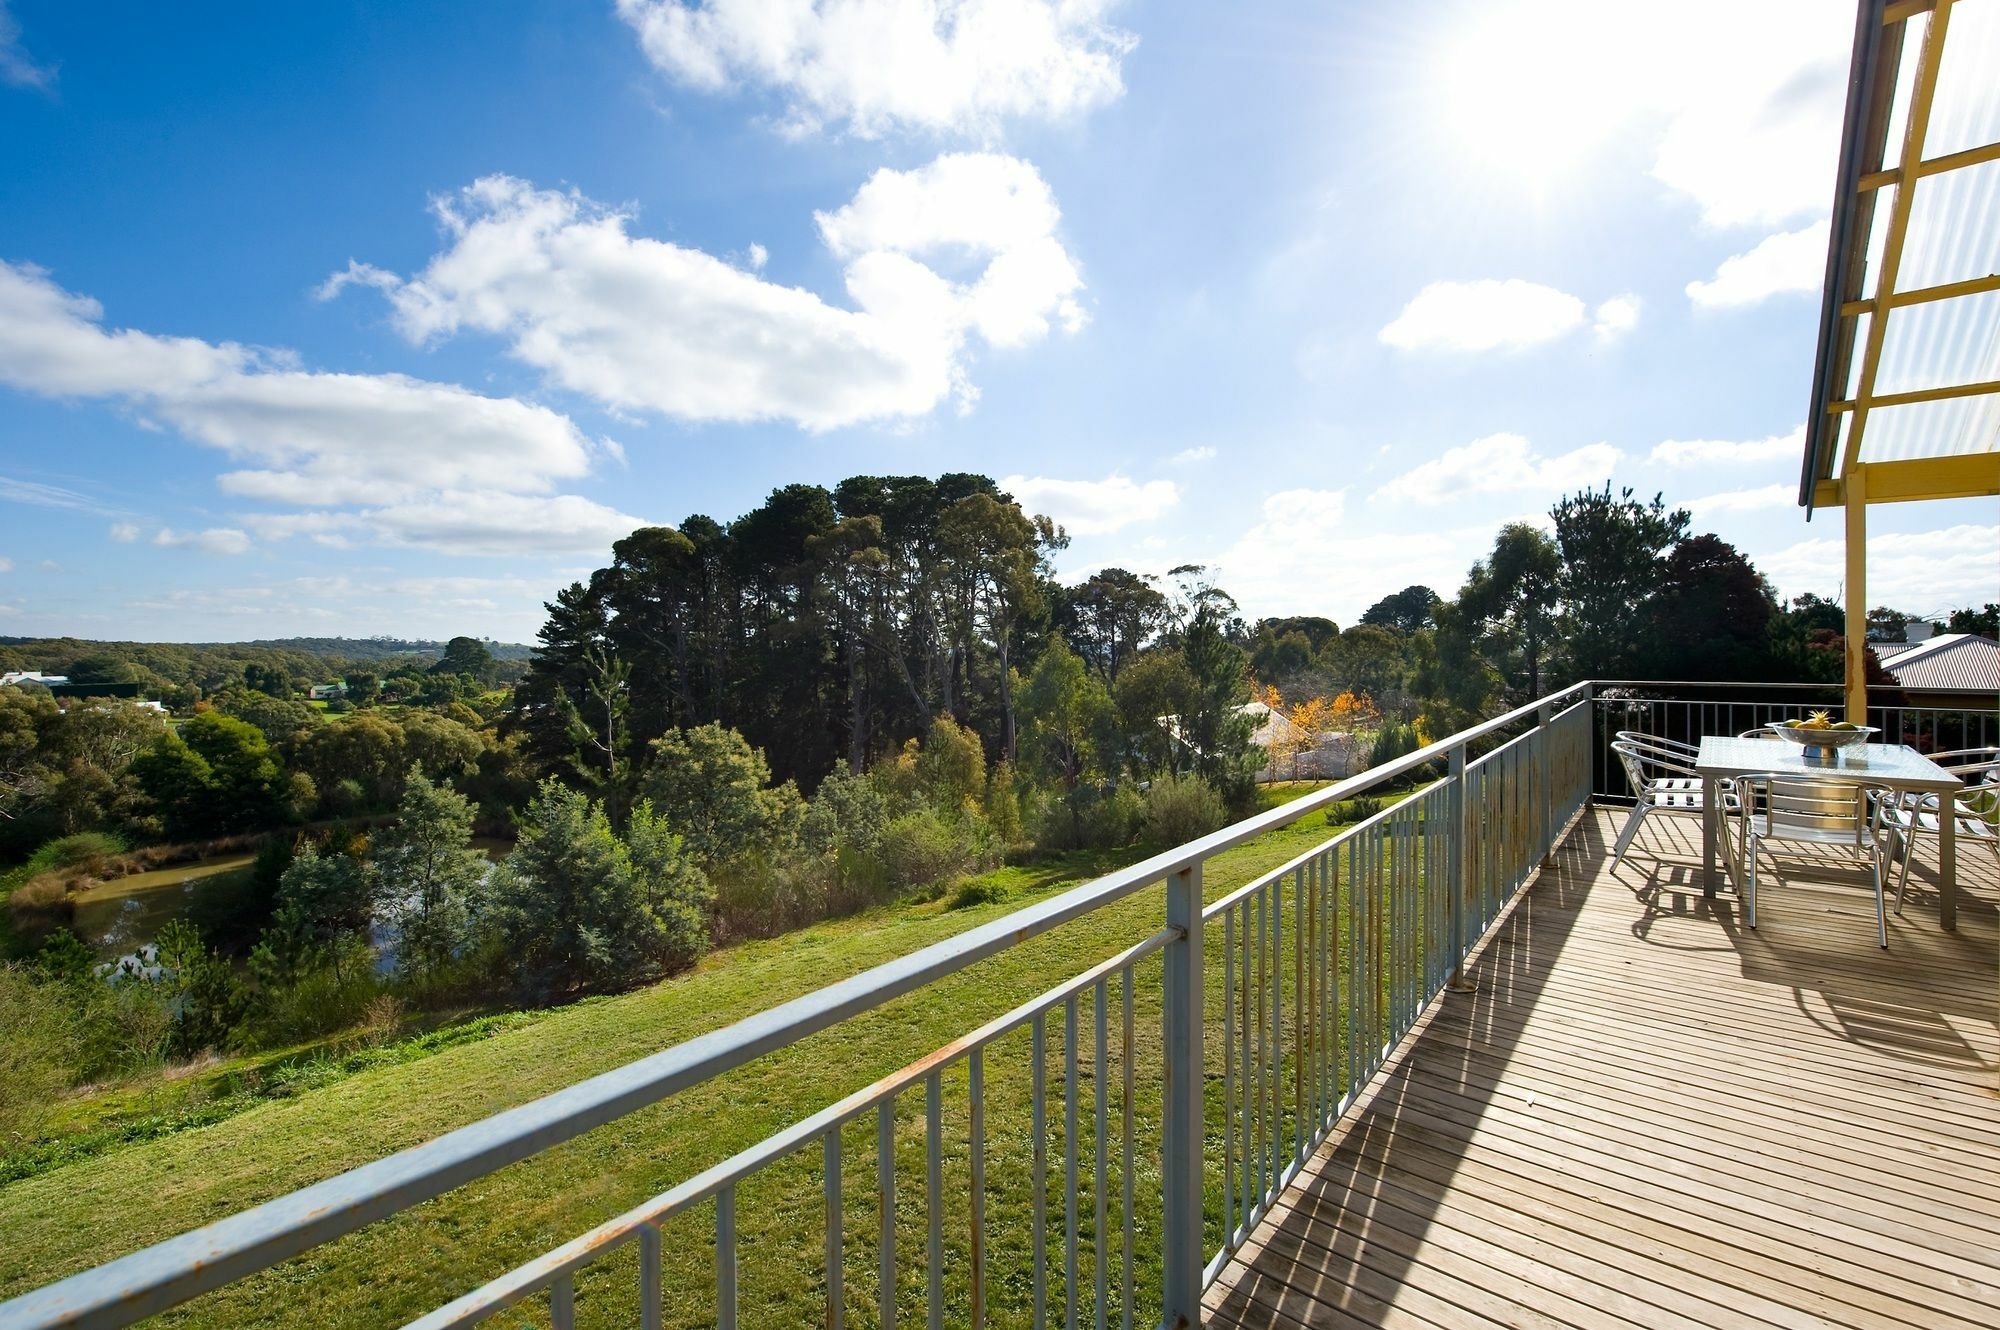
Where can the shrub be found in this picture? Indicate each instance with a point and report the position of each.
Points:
(924, 848)
(1394, 741)
(85, 850)
(976, 891)
(1182, 809)
(1089, 819)
(39, 1046)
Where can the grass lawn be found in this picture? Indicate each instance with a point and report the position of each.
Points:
(77, 1215)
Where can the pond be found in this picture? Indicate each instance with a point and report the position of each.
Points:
(120, 916)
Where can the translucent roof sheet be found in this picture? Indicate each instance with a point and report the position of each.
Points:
(1909, 355)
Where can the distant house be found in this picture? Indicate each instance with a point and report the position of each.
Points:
(1289, 755)
(1944, 663)
(32, 676)
(326, 692)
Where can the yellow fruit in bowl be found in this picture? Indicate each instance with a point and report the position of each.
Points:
(1819, 720)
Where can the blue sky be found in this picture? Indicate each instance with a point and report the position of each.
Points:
(360, 318)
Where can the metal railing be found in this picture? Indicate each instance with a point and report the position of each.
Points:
(1141, 1171)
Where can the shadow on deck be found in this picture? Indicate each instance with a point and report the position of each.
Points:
(1650, 1115)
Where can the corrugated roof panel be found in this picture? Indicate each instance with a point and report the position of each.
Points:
(1969, 662)
(1940, 344)
(1965, 109)
(1952, 235)
(1948, 428)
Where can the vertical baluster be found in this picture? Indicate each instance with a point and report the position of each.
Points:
(1263, 937)
(562, 1302)
(1228, 1080)
(1334, 1008)
(1354, 973)
(1069, 1162)
(976, 1091)
(934, 1194)
(885, 1186)
(651, 1295)
(1100, 1246)
(1243, 1026)
(1277, 1031)
(1183, 982)
(725, 1258)
(1125, 1172)
(1301, 1014)
(836, 1275)
(1040, 1220)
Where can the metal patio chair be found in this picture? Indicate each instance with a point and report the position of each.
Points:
(1663, 780)
(1975, 808)
(1839, 814)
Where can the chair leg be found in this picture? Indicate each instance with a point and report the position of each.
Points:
(1881, 916)
(1750, 883)
(1631, 827)
(1903, 881)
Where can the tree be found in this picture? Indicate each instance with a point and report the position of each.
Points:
(328, 900)
(1406, 611)
(426, 875)
(672, 888)
(201, 989)
(1112, 616)
(1066, 716)
(279, 720)
(569, 906)
(1367, 658)
(362, 686)
(1613, 550)
(951, 767)
(1511, 600)
(466, 655)
(440, 747)
(1890, 625)
(715, 792)
(365, 752)
(180, 784)
(1712, 616)
(1984, 622)
(268, 679)
(24, 715)
(1151, 692)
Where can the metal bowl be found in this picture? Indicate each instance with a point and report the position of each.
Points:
(1825, 739)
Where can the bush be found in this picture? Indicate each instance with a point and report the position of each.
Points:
(39, 1046)
(925, 849)
(976, 891)
(1395, 740)
(85, 850)
(1182, 809)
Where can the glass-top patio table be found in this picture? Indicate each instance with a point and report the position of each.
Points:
(1897, 766)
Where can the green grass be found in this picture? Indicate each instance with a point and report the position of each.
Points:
(119, 1200)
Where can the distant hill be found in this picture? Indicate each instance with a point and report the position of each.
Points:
(336, 648)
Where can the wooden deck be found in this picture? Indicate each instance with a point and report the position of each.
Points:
(1649, 1115)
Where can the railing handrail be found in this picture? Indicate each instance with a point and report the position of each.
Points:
(1969, 693)
(178, 1268)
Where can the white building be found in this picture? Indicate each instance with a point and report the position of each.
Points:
(32, 676)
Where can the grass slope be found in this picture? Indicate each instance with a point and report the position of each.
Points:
(90, 1211)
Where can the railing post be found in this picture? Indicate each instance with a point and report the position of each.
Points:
(1181, 1126)
(1455, 841)
(1545, 782)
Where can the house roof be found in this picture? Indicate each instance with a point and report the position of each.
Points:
(1949, 660)
(1907, 381)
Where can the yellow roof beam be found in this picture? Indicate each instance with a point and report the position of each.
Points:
(1924, 295)
(1967, 476)
(1937, 394)
(1921, 92)
(1951, 161)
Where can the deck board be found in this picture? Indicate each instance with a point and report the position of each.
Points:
(1651, 1116)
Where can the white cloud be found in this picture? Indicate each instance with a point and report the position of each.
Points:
(1744, 501)
(50, 496)
(1190, 456)
(1303, 556)
(319, 437)
(1925, 570)
(1791, 261)
(644, 324)
(942, 66)
(125, 532)
(1738, 106)
(1094, 507)
(466, 523)
(757, 256)
(506, 607)
(215, 540)
(1483, 315)
(1710, 452)
(6, 564)
(17, 68)
(1615, 317)
(1501, 463)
